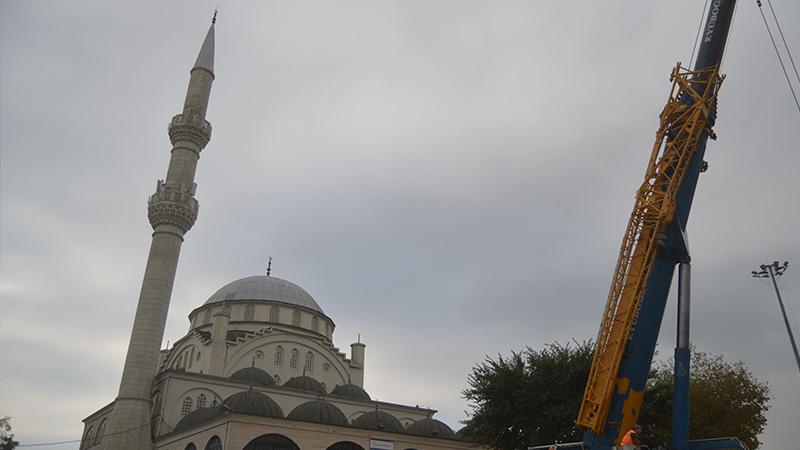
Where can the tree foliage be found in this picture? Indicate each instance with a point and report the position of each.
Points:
(7, 441)
(533, 398)
(725, 399)
(529, 397)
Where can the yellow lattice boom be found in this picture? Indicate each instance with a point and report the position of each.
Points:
(682, 122)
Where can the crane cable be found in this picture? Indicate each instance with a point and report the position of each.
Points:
(699, 29)
(777, 52)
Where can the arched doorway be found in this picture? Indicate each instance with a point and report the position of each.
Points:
(271, 442)
(345, 445)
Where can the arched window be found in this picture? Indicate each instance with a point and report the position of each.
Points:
(345, 445)
(296, 318)
(201, 401)
(101, 430)
(279, 356)
(249, 312)
(315, 324)
(293, 358)
(327, 329)
(271, 442)
(309, 365)
(207, 316)
(87, 440)
(214, 444)
(190, 447)
(277, 380)
(274, 314)
(186, 408)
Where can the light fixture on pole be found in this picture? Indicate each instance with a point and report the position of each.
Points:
(771, 271)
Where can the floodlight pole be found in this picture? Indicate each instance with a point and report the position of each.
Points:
(771, 268)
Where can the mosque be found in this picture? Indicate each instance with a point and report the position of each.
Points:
(258, 368)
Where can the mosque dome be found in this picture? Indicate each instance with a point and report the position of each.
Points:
(252, 403)
(305, 383)
(351, 391)
(379, 421)
(253, 375)
(319, 411)
(262, 287)
(197, 417)
(430, 428)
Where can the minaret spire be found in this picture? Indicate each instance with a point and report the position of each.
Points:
(205, 59)
(172, 211)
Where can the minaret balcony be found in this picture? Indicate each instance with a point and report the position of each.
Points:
(172, 207)
(190, 127)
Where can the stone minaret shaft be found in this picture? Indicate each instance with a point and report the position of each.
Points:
(172, 210)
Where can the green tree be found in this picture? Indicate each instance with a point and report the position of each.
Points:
(531, 397)
(725, 399)
(7, 441)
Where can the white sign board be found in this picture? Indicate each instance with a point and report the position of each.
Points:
(376, 444)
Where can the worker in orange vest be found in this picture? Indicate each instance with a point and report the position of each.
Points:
(631, 439)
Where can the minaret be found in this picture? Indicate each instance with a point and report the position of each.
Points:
(172, 210)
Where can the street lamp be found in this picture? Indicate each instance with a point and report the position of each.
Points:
(771, 271)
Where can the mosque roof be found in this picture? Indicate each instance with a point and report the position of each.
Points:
(379, 421)
(253, 375)
(319, 411)
(263, 287)
(305, 383)
(252, 403)
(351, 391)
(430, 428)
(197, 417)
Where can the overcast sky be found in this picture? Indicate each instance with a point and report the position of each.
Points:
(450, 179)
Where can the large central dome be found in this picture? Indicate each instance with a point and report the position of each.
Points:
(262, 287)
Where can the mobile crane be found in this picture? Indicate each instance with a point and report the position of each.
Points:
(654, 243)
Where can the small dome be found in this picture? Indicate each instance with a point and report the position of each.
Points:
(380, 421)
(261, 287)
(253, 375)
(305, 383)
(252, 403)
(197, 417)
(430, 428)
(351, 391)
(319, 411)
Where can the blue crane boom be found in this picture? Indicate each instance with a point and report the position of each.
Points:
(654, 242)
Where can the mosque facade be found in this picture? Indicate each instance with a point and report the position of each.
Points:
(258, 368)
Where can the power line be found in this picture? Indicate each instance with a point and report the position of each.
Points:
(50, 443)
(74, 441)
(778, 53)
(783, 38)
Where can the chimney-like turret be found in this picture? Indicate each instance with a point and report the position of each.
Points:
(172, 211)
(357, 362)
(219, 345)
